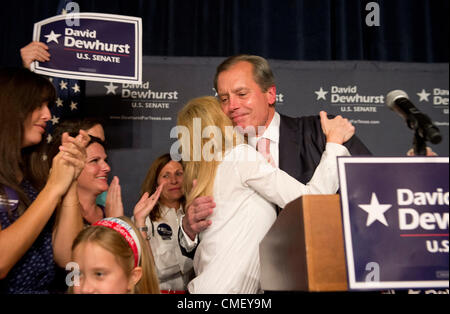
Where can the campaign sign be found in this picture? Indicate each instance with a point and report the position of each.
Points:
(395, 215)
(91, 46)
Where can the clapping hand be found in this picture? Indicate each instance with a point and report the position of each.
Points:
(145, 205)
(69, 162)
(113, 204)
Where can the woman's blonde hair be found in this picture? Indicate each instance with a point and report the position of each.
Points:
(115, 243)
(214, 141)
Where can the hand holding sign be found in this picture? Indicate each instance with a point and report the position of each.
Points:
(34, 51)
(100, 47)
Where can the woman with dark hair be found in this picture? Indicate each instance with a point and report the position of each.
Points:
(93, 180)
(160, 220)
(39, 210)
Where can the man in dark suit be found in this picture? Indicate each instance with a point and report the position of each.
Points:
(246, 90)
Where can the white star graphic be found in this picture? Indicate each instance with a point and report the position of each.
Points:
(73, 106)
(111, 89)
(59, 102)
(321, 94)
(375, 211)
(76, 88)
(63, 85)
(423, 95)
(52, 37)
(54, 120)
(49, 138)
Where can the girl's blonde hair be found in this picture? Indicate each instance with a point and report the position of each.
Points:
(209, 112)
(115, 243)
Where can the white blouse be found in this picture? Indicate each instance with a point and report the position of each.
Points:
(174, 270)
(245, 186)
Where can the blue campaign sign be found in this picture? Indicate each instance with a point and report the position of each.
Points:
(92, 46)
(395, 215)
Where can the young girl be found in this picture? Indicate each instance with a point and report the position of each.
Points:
(113, 258)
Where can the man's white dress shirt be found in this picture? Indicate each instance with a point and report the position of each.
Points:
(245, 186)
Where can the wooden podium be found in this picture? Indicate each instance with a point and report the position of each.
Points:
(304, 249)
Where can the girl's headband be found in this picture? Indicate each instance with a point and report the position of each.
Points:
(126, 231)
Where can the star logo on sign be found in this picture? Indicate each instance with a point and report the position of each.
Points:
(111, 89)
(321, 94)
(52, 37)
(423, 95)
(375, 211)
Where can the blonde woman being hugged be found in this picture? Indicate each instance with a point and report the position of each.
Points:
(244, 186)
(159, 220)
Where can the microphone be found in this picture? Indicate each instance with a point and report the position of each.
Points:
(398, 101)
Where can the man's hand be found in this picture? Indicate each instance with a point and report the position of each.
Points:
(429, 152)
(35, 50)
(337, 130)
(195, 219)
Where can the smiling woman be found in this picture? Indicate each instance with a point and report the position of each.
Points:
(32, 239)
(34, 125)
(164, 181)
(93, 180)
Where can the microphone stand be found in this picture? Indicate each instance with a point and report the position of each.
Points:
(419, 144)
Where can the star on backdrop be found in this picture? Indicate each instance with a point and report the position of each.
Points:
(63, 85)
(59, 102)
(321, 94)
(76, 88)
(423, 95)
(55, 120)
(110, 88)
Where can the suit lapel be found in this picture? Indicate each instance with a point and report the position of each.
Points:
(289, 147)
